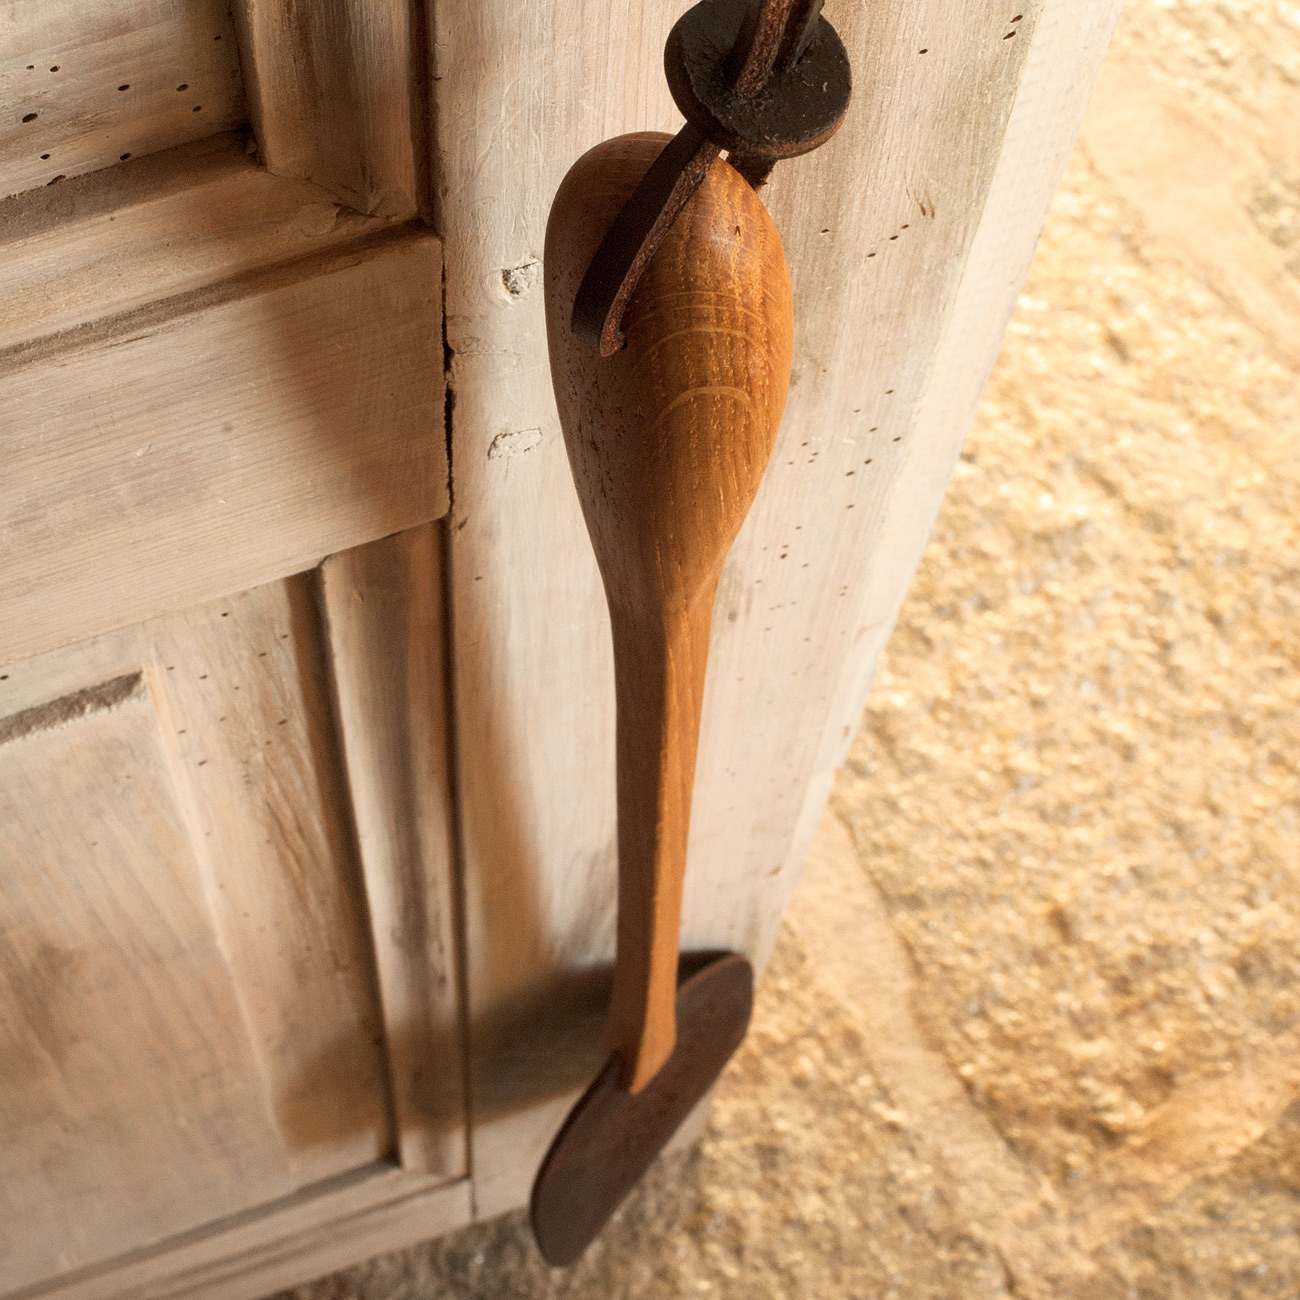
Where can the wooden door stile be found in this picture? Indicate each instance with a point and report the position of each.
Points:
(881, 230)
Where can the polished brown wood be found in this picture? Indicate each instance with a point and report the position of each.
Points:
(668, 441)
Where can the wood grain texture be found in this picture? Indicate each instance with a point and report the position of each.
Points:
(1063, 66)
(337, 96)
(204, 445)
(169, 224)
(292, 1241)
(879, 228)
(81, 86)
(123, 1053)
(668, 440)
(210, 376)
(243, 696)
(384, 609)
(187, 1012)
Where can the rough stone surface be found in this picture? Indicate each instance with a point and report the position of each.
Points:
(1054, 1049)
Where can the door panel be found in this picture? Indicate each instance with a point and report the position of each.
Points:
(242, 693)
(189, 1025)
(125, 1059)
(204, 447)
(87, 84)
(230, 1025)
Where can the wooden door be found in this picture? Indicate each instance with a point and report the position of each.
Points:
(229, 1035)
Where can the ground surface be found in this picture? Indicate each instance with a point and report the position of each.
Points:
(1045, 1042)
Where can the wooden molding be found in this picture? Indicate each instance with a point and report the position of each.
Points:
(209, 443)
(336, 94)
(151, 229)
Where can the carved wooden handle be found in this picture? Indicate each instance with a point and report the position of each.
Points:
(668, 440)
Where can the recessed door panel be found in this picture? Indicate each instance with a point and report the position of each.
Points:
(189, 1025)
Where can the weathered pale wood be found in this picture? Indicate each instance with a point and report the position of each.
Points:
(83, 85)
(169, 224)
(369, 1212)
(521, 94)
(337, 96)
(879, 228)
(534, 678)
(187, 1011)
(882, 293)
(668, 440)
(228, 709)
(211, 376)
(1063, 66)
(243, 698)
(384, 609)
(202, 446)
(124, 1059)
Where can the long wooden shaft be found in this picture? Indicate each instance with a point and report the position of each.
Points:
(659, 667)
(668, 440)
